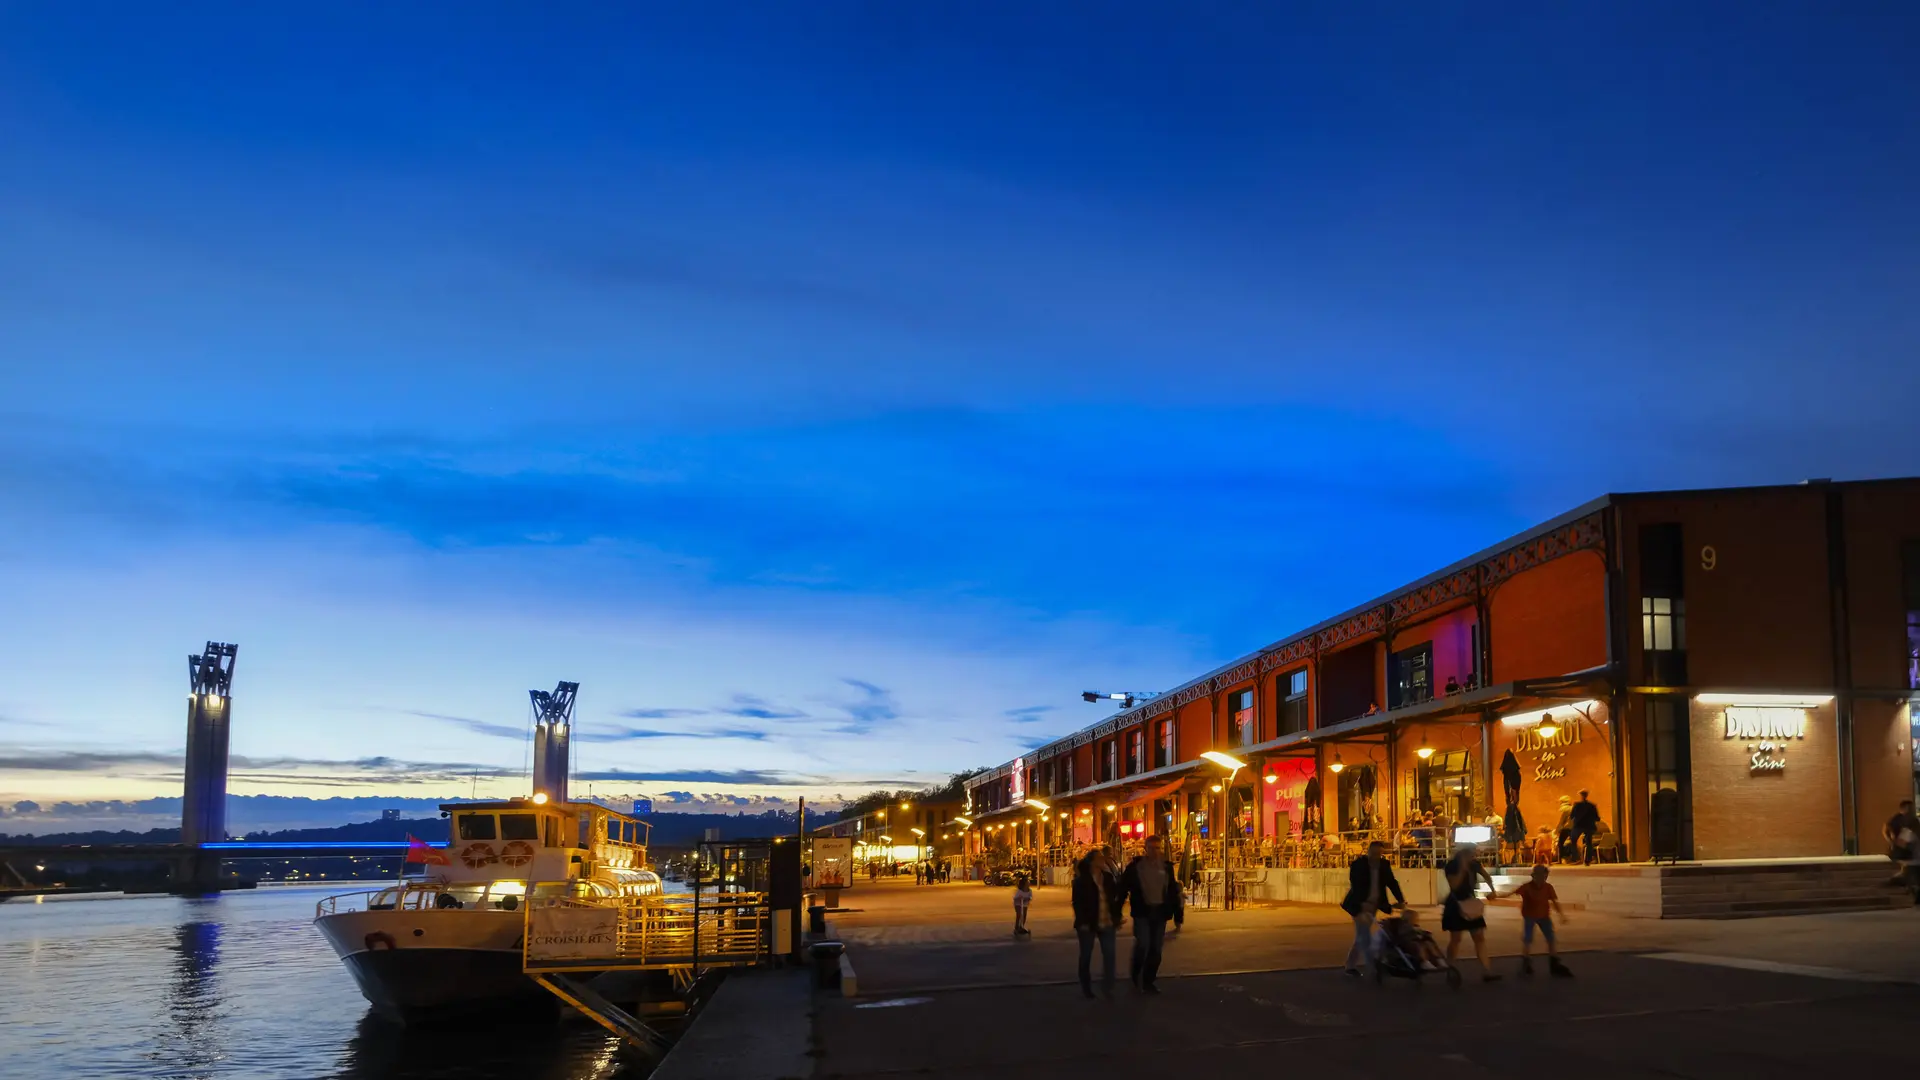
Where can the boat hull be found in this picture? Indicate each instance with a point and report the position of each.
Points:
(425, 966)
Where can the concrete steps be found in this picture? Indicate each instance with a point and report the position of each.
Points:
(1749, 891)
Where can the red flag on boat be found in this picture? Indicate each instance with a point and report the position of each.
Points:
(418, 851)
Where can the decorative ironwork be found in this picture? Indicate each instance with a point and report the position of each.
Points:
(1585, 534)
(1287, 655)
(1435, 594)
(1238, 675)
(1371, 621)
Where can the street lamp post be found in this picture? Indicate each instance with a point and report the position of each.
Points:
(1233, 765)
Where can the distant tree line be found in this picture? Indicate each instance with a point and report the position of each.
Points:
(954, 790)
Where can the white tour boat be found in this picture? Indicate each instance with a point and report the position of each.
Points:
(449, 943)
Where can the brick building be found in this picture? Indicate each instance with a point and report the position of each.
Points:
(1731, 673)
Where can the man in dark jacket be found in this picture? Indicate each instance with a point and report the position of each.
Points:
(1096, 916)
(1153, 893)
(1584, 819)
(1370, 881)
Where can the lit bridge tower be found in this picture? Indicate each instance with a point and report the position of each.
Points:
(552, 725)
(203, 808)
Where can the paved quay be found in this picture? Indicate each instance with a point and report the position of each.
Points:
(947, 991)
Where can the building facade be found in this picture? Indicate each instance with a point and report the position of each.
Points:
(1730, 673)
(901, 834)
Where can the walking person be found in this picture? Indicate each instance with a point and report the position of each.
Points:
(1096, 916)
(1154, 897)
(918, 878)
(1022, 898)
(1370, 881)
(1902, 831)
(1538, 905)
(1584, 819)
(1563, 831)
(1464, 911)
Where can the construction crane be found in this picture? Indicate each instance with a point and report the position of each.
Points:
(552, 727)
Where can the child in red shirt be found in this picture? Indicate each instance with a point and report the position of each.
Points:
(1538, 904)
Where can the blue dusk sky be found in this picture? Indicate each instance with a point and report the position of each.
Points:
(836, 390)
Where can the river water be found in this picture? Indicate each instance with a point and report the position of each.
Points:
(235, 985)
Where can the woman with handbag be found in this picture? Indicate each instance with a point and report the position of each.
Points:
(1465, 912)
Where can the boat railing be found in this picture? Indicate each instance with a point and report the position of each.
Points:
(658, 931)
(394, 897)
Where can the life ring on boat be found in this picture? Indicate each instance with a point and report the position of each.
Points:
(516, 853)
(478, 855)
(377, 940)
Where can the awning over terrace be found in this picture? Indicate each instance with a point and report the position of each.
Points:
(1146, 793)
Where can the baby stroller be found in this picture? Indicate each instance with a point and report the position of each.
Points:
(1402, 949)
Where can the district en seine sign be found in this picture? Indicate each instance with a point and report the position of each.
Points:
(1767, 730)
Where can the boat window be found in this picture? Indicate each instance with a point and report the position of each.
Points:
(519, 827)
(476, 827)
(553, 831)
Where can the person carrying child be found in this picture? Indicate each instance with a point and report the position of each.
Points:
(1538, 904)
(1022, 897)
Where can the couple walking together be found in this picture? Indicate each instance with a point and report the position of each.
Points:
(1148, 886)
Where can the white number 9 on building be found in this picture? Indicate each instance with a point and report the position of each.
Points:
(1709, 558)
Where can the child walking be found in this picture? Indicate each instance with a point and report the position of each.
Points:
(1538, 904)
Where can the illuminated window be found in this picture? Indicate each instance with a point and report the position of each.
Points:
(1663, 624)
(1663, 605)
(1109, 760)
(1910, 564)
(1242, 730)
(1163, 744)
(1136, 752)
(1412, 676)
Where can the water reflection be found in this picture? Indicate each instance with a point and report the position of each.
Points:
(381, 1049)
(239, 986)
(194, 1046)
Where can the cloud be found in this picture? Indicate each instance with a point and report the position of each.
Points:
(749, 707)
(741, 777)
(478, 727)
(85, 760)
(661, 714)
(874, 707)
(258, 769)
(625, 734)
(1029, 714)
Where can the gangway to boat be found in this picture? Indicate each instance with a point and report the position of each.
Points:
(615, 1019)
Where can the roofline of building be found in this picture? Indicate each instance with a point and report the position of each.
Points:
(1560, 521)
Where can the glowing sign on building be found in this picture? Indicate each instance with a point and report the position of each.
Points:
(1768, 730)
(1018, 792)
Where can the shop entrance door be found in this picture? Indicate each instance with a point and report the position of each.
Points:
(1669, 780)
